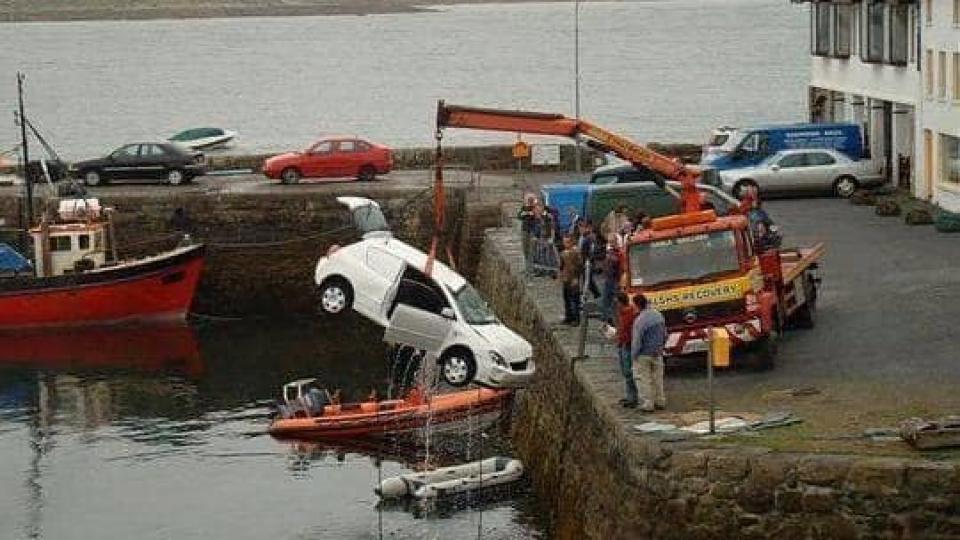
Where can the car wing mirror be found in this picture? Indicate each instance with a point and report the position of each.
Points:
(447, 313)
(774, 167)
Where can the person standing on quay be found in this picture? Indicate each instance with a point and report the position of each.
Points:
(625, 317)
(648, 338)
(571, 270)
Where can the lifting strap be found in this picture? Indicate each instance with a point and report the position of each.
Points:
(439, 203)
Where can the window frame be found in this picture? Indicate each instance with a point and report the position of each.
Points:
(868, 34)
(837, 26)
(60, 243)
(904, 40)
(942, 75)
(949, 174)
(820, 42)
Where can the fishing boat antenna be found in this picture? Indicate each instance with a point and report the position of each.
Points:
(25, 151)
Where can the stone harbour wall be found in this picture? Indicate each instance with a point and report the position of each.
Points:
(602, 481)
(262, 248)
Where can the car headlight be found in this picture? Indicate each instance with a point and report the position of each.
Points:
(498, 359)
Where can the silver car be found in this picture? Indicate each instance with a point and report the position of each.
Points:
(804, 170)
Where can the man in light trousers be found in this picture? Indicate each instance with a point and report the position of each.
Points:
(648, 339)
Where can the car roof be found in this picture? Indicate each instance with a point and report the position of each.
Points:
(418, 259)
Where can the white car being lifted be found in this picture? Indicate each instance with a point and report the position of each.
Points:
(375, 274)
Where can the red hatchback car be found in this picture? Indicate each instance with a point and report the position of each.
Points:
(333, 157)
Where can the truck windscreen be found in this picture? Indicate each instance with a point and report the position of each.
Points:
(687, 258)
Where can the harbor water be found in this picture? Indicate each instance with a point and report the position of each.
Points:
(160, 432)
(662, 70)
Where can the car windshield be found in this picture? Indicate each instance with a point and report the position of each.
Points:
(734, 138)
(472, 306)
(369, 218)
(687, 258)
(719, 138)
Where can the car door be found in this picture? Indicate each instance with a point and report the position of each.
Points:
(378, 285)
(822, 168)
(418, 328)
(317, 160)
(124, 162)
(347, 158)
(153, 161)
(784, 174)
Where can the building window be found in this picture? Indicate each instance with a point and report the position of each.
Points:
(928, 12)
(942, 79)
(928, 65)
(950, 149)
(872, 51)
(843, 29)
(956, 76)
(60, 243)
(956, 12)
(820, 29)
(83, 241)
(899, 34)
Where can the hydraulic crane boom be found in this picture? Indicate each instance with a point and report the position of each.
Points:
(596, 137)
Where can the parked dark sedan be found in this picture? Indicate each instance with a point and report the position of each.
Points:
(143, 161)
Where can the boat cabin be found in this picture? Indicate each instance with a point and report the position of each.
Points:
(74, 242)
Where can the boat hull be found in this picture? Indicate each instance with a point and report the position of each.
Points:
(367, 420)
(158, 288)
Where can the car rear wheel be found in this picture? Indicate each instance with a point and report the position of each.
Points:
(367, 173)
(175, 177)
(845, 186)
(92, 178)
(457, 367)
(740, 186)
(290, 175)
(336, 296)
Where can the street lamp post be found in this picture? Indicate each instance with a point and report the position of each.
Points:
(576, 79)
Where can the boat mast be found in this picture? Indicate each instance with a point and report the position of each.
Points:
(25, 152)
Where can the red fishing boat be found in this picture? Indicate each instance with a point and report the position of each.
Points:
(77, 279)
(309, 411)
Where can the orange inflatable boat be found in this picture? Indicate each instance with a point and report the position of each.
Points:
(308, 411)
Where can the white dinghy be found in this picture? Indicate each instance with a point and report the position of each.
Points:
(471, 476)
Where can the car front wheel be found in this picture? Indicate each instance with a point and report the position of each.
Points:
(457, 367)
(845, 186)
(92, 178)
(336, 296)
(290, 176)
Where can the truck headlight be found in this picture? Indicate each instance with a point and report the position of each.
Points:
(498, 359)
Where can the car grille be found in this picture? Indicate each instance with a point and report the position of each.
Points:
(705, 313)
(520, 366)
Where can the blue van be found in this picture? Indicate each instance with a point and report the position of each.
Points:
(568, 199)
(747, 147)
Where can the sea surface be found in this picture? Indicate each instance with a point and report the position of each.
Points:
(666, 70)
(160, 433)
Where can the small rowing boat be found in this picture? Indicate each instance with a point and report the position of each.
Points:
(475, 475)
(309, 411)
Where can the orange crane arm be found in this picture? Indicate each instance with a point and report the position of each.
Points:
(596, 137)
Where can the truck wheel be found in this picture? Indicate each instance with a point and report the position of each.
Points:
(760, 355)
(805, 316)
(741, 185)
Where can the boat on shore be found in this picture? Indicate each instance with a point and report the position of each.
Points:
(203, 138)
(309, 411)
(73, 281)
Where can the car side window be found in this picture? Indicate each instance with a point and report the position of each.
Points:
(324, 147)
(383, 263)
(126, 152)
(751, 143)
(152, 150)
(604, 179)
(347, 146)
(363, 146)
(820, 158)
(792, 161)
(660, 203)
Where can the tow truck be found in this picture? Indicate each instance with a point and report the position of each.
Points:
(700, 270)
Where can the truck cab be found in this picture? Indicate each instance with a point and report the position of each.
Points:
(700, 271)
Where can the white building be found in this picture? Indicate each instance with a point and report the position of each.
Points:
(938, 146)
(864, 70)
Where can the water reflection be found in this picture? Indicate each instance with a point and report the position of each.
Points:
(171, 421)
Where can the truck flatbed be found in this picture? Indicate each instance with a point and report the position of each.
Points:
(794, 261)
